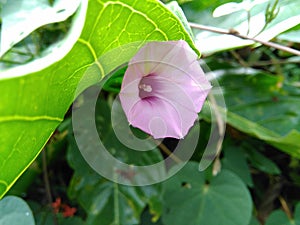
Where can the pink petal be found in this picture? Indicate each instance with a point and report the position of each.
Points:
(161, 119)
(174, 60)
(167, 105)
(163, 89)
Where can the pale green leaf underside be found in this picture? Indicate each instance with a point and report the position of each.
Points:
(32, 106)
(292, 35)
(18, 22)
(209, 42)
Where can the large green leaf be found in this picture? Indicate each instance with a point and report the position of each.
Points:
(34, 100)
(189, 199)
(264, 106)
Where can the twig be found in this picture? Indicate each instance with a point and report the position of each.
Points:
(285, 207)
(248, 21)
(292, 60)
(168, 152)
(271, 62)
(237, 34)
(47, 184)
(116, 202)
(239, 59)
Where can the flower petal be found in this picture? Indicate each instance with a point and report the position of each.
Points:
(163, 89)
(174, 60)
(161, 118)
(168, 105)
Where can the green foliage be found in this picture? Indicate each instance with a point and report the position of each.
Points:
(200, 201)
(45, 216)
(235, 161)
(278, 217)
(260, 162)
(105, 200)
(264, 106)
(259, 165)
(254, 221)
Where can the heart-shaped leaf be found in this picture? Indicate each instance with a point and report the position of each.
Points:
(224, 200)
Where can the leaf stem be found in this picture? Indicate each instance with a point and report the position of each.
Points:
(285, 207)
(47, 184)
(237, 34)
(271, 62)
(116, 202)
(248, 21)
(168, 152)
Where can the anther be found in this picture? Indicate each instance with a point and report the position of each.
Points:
(145, 87)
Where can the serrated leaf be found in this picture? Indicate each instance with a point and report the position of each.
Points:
(21, 17)
(187, 197)
(34, 99)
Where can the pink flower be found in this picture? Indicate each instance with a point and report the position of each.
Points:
(163, 89)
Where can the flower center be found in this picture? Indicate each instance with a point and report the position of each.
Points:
(146, 87)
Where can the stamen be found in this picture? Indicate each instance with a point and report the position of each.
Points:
(145, 87)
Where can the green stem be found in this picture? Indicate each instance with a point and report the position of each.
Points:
(116, 202)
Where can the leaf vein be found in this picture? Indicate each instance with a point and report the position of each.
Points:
(28, 118)
(92, 50)
(139, 13)
(12, 152)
